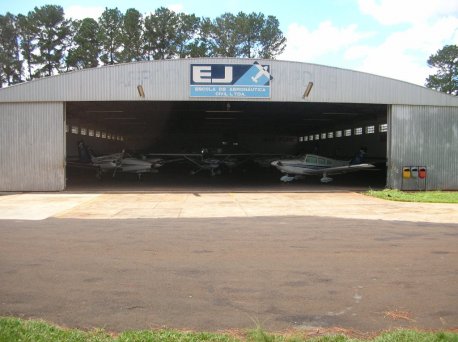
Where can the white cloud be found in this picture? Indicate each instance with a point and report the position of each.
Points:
(389, 12)
(386, 61)
(80, 12)
(403, 54)
(306, 45)
(177, 8)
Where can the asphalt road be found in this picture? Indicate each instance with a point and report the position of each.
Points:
(222, 273)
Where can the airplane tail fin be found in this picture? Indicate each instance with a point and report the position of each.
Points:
(83, 152)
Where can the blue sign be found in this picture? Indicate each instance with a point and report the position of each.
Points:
(230, 80)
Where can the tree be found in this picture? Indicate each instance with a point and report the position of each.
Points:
(272, 41)
(246, 35)
(53, 34)
(160, 34)
(110, 35)
(188, 28)
(249, 35)
(171, 35)
(43, 42)
(201, 45)
(86, 51)
(445, 61)
(132, 36)
(27, 36)
(10, 63)
(224, 36)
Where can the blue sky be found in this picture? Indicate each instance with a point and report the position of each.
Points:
(391, 38)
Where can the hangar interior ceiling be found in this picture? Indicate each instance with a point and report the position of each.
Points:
(187, 126)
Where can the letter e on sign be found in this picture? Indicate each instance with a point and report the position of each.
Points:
(201, 73)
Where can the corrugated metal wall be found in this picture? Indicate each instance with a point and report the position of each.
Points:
(423, 136)
(169, 80)
(32, 147)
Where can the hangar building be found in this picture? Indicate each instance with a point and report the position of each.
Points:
(265, 105)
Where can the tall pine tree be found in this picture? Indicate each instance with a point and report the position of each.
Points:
(27, 37)
(132, 36)
(53, 34)
(110, 35)
(85, 53)
(10, 63)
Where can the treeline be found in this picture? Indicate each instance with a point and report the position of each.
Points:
(44, 42)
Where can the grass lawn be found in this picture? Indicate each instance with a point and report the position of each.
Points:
(416, 196)
(14, 329)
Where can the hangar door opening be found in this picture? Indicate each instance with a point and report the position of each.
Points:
(276, 129)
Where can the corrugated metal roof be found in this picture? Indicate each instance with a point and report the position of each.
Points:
(169, 80)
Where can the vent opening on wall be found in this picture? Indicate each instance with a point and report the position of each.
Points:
(140, 90)
(307, 90)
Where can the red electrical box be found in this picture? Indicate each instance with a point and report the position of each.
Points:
(422, 172)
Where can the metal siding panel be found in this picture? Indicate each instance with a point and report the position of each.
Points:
(168, 80)
(424, 136)
(32, 147)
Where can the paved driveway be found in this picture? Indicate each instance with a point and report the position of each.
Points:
(287, 260)
(37, 206)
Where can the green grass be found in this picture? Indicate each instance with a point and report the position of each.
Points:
(416, 196)
(13, 329)
(18, 330)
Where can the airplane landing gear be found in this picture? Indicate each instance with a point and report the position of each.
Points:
(287, 178)
(98, 174)
(325, 179)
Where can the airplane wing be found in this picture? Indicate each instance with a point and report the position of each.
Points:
(167, 158)
(80, 164)
(195, 159)
(173, 154)
(221, 156)
(339, 169)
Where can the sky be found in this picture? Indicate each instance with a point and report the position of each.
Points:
(391, 38)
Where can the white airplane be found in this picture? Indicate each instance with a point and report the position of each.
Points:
(311, 164)
(118, 162)
(262, 72)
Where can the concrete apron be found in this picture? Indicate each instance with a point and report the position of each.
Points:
(38, 206)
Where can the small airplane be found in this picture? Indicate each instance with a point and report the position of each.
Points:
(215, 163)
(217, 160)
(312, 164)
(118, 162)
(263, 71)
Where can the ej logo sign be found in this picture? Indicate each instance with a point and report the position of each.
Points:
(202, 74)
(230, 80)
